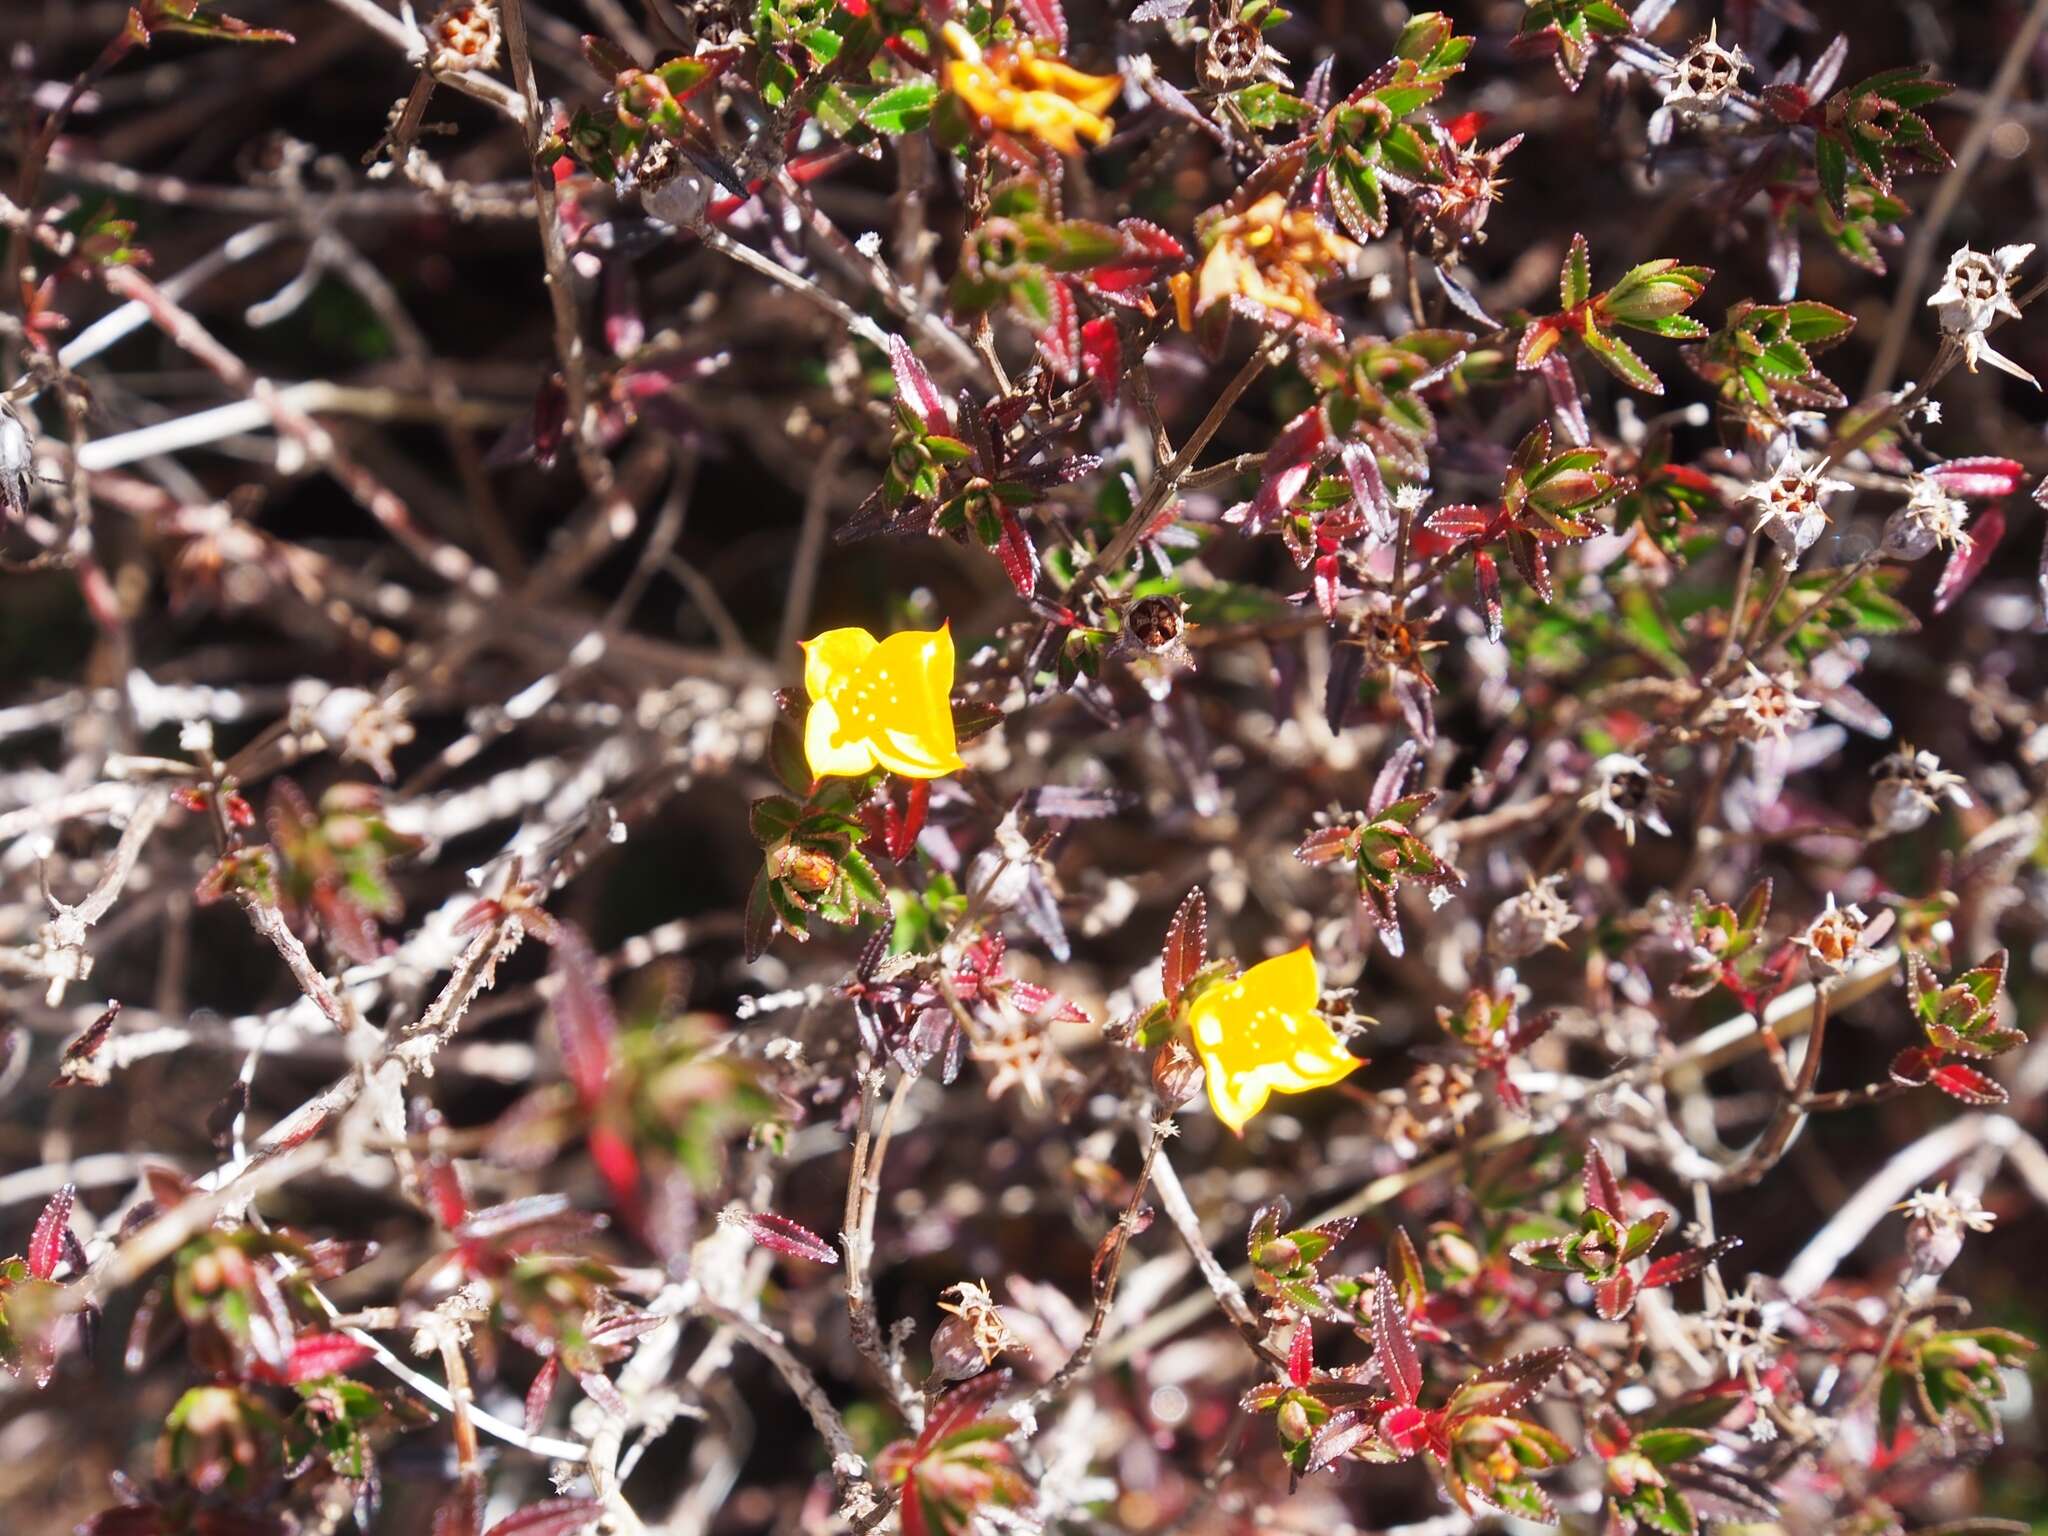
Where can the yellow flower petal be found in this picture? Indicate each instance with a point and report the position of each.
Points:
(1092, 93)
(885, 703)
(1261, 1034)
(834, 654)
(1039, 98)
(827, 751)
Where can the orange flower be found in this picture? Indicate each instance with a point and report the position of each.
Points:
(1021, 93)
(1261, 1032)
(880, 703)
(1272, 256)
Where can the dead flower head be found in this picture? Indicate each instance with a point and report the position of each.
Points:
(462, 36)
(1911, 787)
(1706, 76)
(1764, 707)
(1622, 788)
(1975, 293)
(1840, 934)
(1270, 258)
(976, 1334)
(1792, 503)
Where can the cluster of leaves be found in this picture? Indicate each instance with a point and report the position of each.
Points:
(1961, 1019)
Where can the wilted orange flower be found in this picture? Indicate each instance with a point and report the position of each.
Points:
(1019, 92)
(1273, 256)
(880, 703)
(1261, 1032)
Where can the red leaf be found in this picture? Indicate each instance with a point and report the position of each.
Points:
(1464, 128)
(1615, 1296)
(1981, 479)
(1460, 520)
(916, 387)
(1914, 1068)
(1368, 489)
(901, 828)
(1047, 20)
(46, 1243)
(788, 1238)
(1969, 560)
(1061, 340)
(1969, 1085)
(1340, 1436)
(618, 1163)
(461, 1513)
(1487, 575)
(1393, 1346)
(540, 1392)
(1102, 354)
(1301, 1355)
(446, 1193)
(556, 1517)
(1147, 249)
(584, 1022)
(1018, 554)
(1405, 1427)
(1186, 949)
(1289, 463)
(324, 1354)
(1328, 583)
(1674, 1267)
(1602, 1192)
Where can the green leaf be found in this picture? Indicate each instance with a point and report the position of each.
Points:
(1831, 163)
(862, 881)
(1811, 323)
(1265, 105)
(1667, 1446)
(902, 110)
(1575, 278)
(1622, 361)
(1355, 194)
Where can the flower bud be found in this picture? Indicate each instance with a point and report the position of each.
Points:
(1176, 1074)
(1293, 1421)
(955, 1353)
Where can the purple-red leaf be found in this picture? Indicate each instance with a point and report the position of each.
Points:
(1290, 462)
(1018, 554)
(1393, 1346)
(1187, 944)
(1615, 1296)
(556, 1517)
(1405, 1427)
(916, 387)
(781, 1235)
(1674, 1267)
(585, 1024)
(1980, 479)
(1969, 559)
(324, 1354)
(1603, 1193)
(1914, 1067)
(1338, 1438)
(46, 1243)
(1368, 489)
(1102, 354)
(540, 1392)
(1969, 1085)
(1487, 574)
(1301, 1355)
(1048, 21)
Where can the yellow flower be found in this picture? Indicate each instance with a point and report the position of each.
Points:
(1273, 256)
(881, 703)
(1021, 93)
(1261, 1032)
